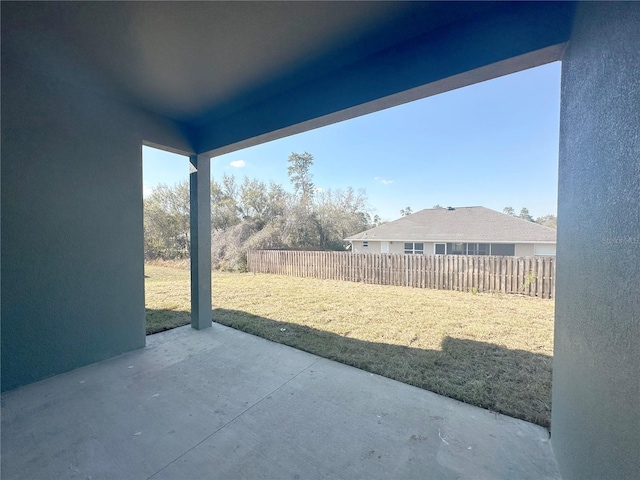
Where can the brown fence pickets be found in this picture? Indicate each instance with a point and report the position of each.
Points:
(532, 276)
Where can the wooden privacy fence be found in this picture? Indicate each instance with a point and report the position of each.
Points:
(533, 276)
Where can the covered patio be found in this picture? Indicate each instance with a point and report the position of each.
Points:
(224, 404)
(86, 84)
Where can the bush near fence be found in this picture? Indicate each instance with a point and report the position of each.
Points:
(533, 276)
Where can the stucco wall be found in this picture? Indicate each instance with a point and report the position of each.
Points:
(524, 250)
(595, 425)
(72, 236)
(373, 247)
(394, 247)
(544, 249)
(398, 247)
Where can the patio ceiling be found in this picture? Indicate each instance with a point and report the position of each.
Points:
(226, 63)
(190, 60)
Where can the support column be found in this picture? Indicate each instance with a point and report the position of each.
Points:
(595, 418)
(200, 204)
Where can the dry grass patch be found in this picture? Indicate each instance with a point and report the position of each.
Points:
(493, 351)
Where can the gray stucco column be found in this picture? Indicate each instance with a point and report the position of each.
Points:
(200, 204)
(595, 422)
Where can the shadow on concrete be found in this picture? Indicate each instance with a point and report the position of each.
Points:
(513, 382)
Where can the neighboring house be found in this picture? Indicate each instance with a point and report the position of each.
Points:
(458, 231)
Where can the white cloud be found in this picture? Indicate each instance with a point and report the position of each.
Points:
(146, 191)
(383, 181)
(238, 163)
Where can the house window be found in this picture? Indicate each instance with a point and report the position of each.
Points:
(365, 244)
(503, 249)
(456, 248)
(477, 248)
(411, 247)
(441, 248)
(468, 249)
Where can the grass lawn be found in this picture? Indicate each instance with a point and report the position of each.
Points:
(490, 350)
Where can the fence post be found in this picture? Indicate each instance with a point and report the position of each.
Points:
(552, 278)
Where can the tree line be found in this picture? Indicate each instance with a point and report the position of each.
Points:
(546, 220)
(251, 214)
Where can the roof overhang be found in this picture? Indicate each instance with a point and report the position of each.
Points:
(240, 73)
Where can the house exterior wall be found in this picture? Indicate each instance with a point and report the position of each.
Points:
(398, 247)
(545, 250)
(524, 250)
(595, 420)
(72, 232)
(373, 247)
(521, 250)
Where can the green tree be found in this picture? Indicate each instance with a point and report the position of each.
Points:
(548, 221)
(509, 211)
(376, 221)
(277, 200)
(301, 227)
(525, 215)
(253, 201)
(252, 215)
(299, 172)
(166, 222)
(224, 203)
(406, 211)
(339, 214)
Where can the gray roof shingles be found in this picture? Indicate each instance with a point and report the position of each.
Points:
(462, 224)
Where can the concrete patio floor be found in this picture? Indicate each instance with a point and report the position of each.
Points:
(220, 403)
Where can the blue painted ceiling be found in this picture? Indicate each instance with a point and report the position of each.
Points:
(202, 63)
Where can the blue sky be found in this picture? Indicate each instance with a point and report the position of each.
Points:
(493, 144)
